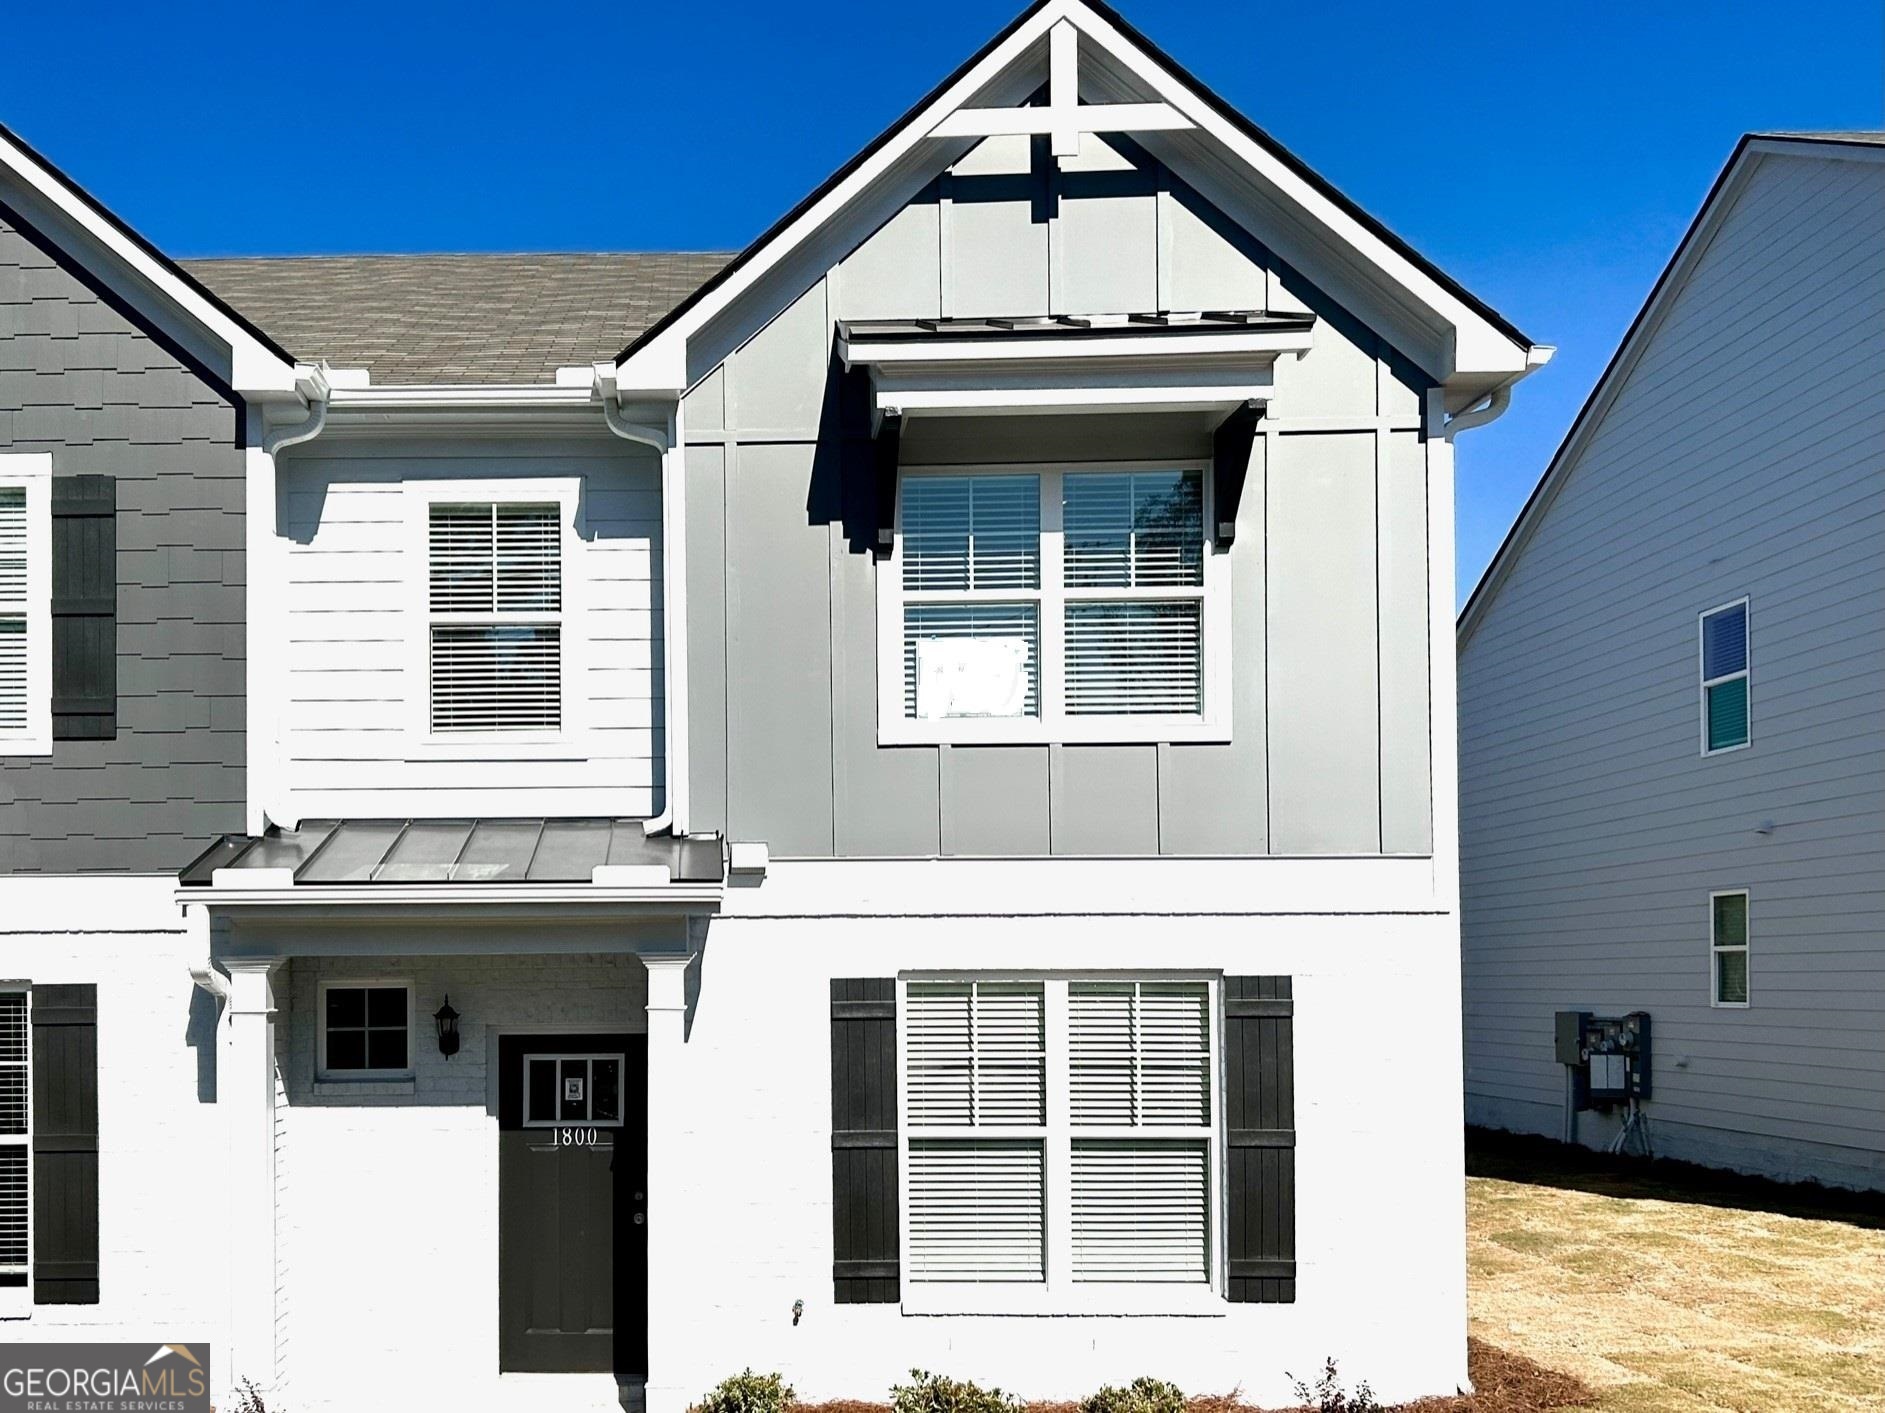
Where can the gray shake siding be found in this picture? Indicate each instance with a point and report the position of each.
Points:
(1330, 739)
(1743, 455)
(80, 380)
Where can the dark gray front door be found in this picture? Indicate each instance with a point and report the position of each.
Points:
(572, 1166)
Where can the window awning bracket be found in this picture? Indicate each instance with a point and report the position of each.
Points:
(889, 443)
(1231, 446)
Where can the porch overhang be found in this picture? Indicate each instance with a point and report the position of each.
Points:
(503, 868)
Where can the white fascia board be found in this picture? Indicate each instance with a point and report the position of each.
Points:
(372, 896)
(1480, 349)
(1037, 401)
(256, 370)
(419, 397)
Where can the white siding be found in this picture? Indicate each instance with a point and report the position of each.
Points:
(1744, 454)
(354, 736)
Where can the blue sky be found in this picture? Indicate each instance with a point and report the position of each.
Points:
(1549, 155)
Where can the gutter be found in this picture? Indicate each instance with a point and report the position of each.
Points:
(1491, 407)
(311, 384)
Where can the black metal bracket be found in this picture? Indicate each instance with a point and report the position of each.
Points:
(889, 447)
(1230, 464)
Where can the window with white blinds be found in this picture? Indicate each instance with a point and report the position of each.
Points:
(25, 604)
(1059, 1132)
(974, 1062)
(495, 596)
(16, 1090)
(1047, 603)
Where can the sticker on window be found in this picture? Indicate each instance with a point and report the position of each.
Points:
(972, 677)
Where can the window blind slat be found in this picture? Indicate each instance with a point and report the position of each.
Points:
(1133, 529)
(1140, 1212)
(491, 559)
(1134, 659)
(15, 1098)
(974, 1053)
(496, 677)
(1003, 679)
(976, 1211)
(972, 532)
(15, 694)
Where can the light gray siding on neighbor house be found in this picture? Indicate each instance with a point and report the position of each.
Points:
(1743, 455)
(80, 380)
(1330, 739)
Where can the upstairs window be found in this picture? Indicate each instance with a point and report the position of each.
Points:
(25, 604)
(1047, 604)
(496, 609)
(1728, 944)
(1725, 717)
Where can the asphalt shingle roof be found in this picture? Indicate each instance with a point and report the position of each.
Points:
(457, 318)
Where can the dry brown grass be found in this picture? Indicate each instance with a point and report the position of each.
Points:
(1668, 1300)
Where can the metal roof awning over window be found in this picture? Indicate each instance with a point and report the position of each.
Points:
(1206, 361)
(355, 853)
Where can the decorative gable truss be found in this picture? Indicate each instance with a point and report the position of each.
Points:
(1074, 74)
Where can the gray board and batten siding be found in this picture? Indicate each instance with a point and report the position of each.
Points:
(1743, 454)
(1330, 748)
(143, 769)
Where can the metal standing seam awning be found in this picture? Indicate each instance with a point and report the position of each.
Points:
(366, 853)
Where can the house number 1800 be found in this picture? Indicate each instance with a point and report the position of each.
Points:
(576, 1137)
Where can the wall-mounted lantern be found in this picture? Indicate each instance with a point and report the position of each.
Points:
(447, 1021)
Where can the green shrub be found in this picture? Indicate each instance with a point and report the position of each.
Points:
(934, 1393)
(1142, 1395)
(747, 1392)
(1328, 1397)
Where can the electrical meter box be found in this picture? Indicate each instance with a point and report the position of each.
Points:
(1607, 1055)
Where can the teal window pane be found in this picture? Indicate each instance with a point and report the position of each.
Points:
(1728, 714)
(1731, 920)
(1731, 978)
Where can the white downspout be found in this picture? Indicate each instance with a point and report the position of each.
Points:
(667, 441)
(1491, 407)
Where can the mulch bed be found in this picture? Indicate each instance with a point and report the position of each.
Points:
(1504, 1383)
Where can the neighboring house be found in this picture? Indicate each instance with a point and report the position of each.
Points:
(886, 801)
(1672, 751)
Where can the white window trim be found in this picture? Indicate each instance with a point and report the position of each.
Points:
(1053, 726)
(1747, 672)
(379, 983)
(1059, 1293)
(16, 1302)
(621, 1098)
(1745, 949)
(426, 744)
(33, 471)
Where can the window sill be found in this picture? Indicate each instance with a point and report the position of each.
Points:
(1073, 731)
(1140, 1301)
(368, 1088)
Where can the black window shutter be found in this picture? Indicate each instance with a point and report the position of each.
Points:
(84, 608)
(1260, 1104)
(65, 1145)
(864, 1218)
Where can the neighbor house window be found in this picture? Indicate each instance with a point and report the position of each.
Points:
(1051, 604)
(16, 1187)
(1725, 677)
(1728, 925)
(366, 1029)
(1059, 1134)
(25, 604)
(496, 606)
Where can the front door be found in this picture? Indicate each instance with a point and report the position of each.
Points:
(572, 1169)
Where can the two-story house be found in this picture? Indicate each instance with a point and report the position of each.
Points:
(884, 801)
(1672, 767)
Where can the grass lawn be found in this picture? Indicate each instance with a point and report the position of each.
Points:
(1668, 1289)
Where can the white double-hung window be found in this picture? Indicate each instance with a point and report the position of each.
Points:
(16, 1155)
(1059, 1144)
(25, 604)
(495, 616)
(1051, 603)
